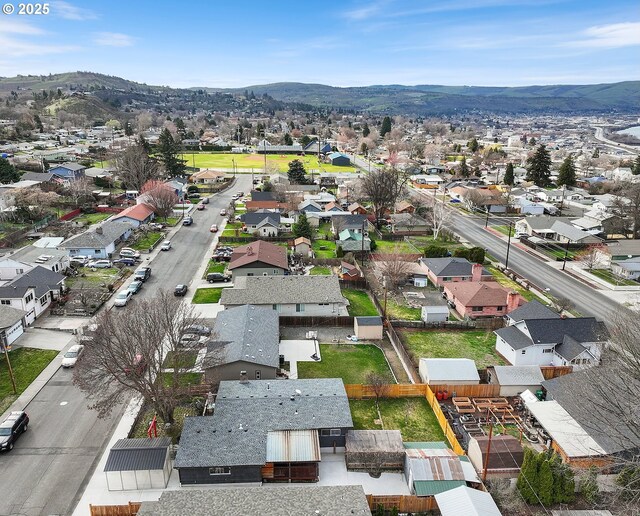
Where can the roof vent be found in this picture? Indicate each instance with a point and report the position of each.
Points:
(249, 251)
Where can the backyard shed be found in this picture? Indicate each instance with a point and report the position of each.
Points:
(451, 371)
(467, 501)
(139, 464)
(505, 455)
(374, 450)
(368, 328)
(515, 379)
(435, 313)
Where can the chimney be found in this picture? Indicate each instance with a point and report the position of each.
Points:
(476, 272)
(513, 299)
(99, 230)
(249, 251)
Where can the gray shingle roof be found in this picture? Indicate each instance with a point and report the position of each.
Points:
(349, 221)
(36, 176)
(570, 348)
(138, 454)
(369, 321)
(519, 375)
(248, 333)
(246, 411)
(571, 232)
(261, 501)
(111, 231)
(10, 316)
(257, 195)
(545, 222)
(533, 310)
(44, 280)
(70, 166)
(514, 337)
(270, 290)
(256, 217)
(354, 245)
(30, 253)
(582, 329)
(450, 266)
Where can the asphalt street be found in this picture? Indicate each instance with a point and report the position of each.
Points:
(51, 463)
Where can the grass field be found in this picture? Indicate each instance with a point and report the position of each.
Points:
(92, 279)
(183, 360)
(505, 230)
(611, 278)
(509, 283)
(400, 311)
(351, 362)
(360, 303)
(400, 247)
(477, 345)
(142, 424)
(148, 240)
(324, 248)
(412, 416)
(27, 364)
(256, 161)
(207, 295)
(92, 218)
(215, 267)
(320, 270)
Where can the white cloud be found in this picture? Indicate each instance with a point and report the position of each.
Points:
(615, 35)
(72, 12)
(113, 39)
(12, 26)
(12, 47)
(364, 12)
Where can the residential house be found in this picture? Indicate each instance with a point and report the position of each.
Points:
(259, 258)
(351, 241)
(244, 345)
(12, 325)
(514, 380)
(356, 223)
(68, 171)
(620, 250)
(32, 292)
(481, 299)
(100, 173)
(349, 272)
(179, 186)
(337, 159)
(503, 457)
(628, 269)
(302, 246)
(260, 500)
(531, 310)
(322, 198)
(527, 207)
(555, 341)
(404, 207)
(40, 177)
(333, 206)
(265, 201)
(264, 431)
(262, 223)
(448, 371)
(310, 206)
(356, 209)
(408, 222)
(318, 296)
(135, 215)
(99, 242)
(29, 257)
(208, 177)
(445, 270)
(539, 226)
(569, 234)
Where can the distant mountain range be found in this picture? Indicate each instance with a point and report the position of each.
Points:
(379, 99)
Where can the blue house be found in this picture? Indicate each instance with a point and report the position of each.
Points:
(68, 171)
(100, 242)
(339, 160)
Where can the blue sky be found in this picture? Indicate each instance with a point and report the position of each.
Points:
(341, 43)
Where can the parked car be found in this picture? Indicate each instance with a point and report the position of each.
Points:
(198, 329)
(156, 225)
(214, 277)
(138, 365)
(223, 212)
(200, 207)
(214, 228)
(205, 200)
(11, 428)
(142, 274)
(191, 339)
(123, 297)
(187, 221)
(166, 245)
(239, 194)
(79, 260)
(194, 195)
(100, 264)
(180, 290)
(71, 356)
(135, 286)
(128, 262)
(127, 252)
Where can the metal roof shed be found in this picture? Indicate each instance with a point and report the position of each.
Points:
(467, 501)
(139, 464)
(451, 371)
(374, 450)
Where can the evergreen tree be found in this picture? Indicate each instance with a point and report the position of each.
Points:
(38, 122)
(635, 169)
(567, 172)
(305, 140)
(287, 139)
(528, 477)
(142, 141)
(365, 130)
(8, 173)
(128, 129)
(302, 228)
(386, 127)
(168, 151)
(532, 142)
(473, 145)
(296, 172)
(508, 175)
(596, 153)
(545, 481)
(539, 167)
(476, 171)
(464, 168)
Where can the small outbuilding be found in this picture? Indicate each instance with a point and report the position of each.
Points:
(450, 371)
(505, 455)
(435, 313)
(368, 328)
(515, 379)
(339, 160)
(139, 464)
(374, 450)
(467, 501)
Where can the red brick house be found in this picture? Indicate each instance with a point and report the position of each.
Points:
(481, 299)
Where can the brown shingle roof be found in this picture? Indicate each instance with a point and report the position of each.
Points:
(259, 251)
(479, 293)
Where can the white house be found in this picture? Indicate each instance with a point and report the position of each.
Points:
(25, 259)
(11, 325)
(32, 291)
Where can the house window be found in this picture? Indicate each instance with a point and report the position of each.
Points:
(258, 374)
(299, 308)
(220, 470)
(323, 304)
(477, 308)
(524, 352)
(446, 278)
(548, 350)
(43, 300)
(249, 273)
(19, 271)
(333, 432)
(5, 302)
(96, 251)
(29, 298)
(499, 308)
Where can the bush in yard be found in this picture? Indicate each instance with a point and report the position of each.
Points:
(545, 486)
(589, 487)
(339, 252)
(474, 255)
(373, 246)
(528, 477)
(192, 189)
(435, 251)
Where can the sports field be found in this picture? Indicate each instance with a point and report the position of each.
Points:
(256, 161)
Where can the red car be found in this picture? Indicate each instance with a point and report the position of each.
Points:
(200, 207)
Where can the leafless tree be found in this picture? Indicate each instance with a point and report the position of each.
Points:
(627, 205)
(563, 304)
(592, 257)
(79, 191)
(160, 196)
(127, 353)
(474, 198)
(379, 385)
(438, 216)
(33, 203)
(394, 268)
(135, 167)
(383, 188)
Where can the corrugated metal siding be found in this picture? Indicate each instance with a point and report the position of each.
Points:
(136, 460)
(430, 488)
(293, 446)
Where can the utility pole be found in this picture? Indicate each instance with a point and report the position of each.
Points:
(506, 262)
(486, 221)
(566, 254)
(384, 310)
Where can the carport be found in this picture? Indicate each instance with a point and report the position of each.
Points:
(139, 464)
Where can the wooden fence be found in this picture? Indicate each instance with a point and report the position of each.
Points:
(551, 372)
(403, 503)
(313, 321)
(71, 214)
(131, 509)
(444, 423)
(473, 391)
(382, 257)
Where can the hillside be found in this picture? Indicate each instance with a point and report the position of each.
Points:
(69, 81)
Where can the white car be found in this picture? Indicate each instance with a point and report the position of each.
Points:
(223, 212)
(122, 298)
(166, 245)
(127, 252)
(100, 264)
(79, 260)
(71, 356)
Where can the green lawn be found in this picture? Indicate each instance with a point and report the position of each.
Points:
(324, 248)
(509, 283)
(92, 279)
(92, 218)
(400, 311)
(351, 362)
(148, 240)
(360, 303)
(320, 270)
(400, 247)
(183, 360)
(215, 267)
(478, 345)
(256, 161)
(412, 416)
(207, 295)
(610, 277)
(171, 221)
(184, 379)
(505, 230)
(27, 364)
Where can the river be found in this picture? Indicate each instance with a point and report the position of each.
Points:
(633, 131)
